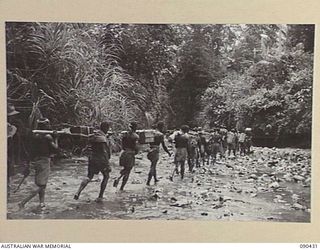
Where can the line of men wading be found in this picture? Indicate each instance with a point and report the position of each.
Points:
(194, 147)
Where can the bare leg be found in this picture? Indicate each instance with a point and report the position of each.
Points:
(26, 200)
(151, 173)
(42, 192)
(116, 181)
(125, 179)
(103, 185)
(182, 169)
(83, 184)
(155, 174)
(174, 171)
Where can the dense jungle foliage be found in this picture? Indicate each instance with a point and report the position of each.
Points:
(257, 76)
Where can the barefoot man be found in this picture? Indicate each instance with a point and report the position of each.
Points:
(153, 154)
(127, 157)
(43, 145)
(182, 143)
(98, 160)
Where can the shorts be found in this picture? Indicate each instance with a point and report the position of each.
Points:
(127, 159)
(42, 168)
(181, 155)
(216, 148)
(153, 154)
(96, 165)
(231, 146)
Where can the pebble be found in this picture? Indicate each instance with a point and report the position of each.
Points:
(136, 182)
(132, 209)
(295, 197)
(173, 199)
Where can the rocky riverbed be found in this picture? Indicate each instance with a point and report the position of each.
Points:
(268, 185)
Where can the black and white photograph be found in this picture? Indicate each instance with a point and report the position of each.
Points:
(132, 121)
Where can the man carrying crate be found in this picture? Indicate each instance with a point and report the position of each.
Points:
(181, 140)
(98, 160)
(153, 154)
(127, 157)
(43, 145)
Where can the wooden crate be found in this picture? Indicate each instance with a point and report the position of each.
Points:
(85, 130)
(146, 136)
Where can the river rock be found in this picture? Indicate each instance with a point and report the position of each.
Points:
(308, 180)
(288, 177)
(136, 181)
(159, 190)
(216, 206)
(155, 196)
(272, 163)
(173, 199)
(260, 160)
(298, 206)
(229, 166)
(274, 185)
(298, 178)
(182, 203)
(253, 176)
(132, 209)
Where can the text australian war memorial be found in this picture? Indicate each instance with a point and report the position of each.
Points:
(159, 121)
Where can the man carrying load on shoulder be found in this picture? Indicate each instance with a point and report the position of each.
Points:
(42, 147)
(153, 154)
(216, 140)
(98, 160)
(181, 140)
(127, 158)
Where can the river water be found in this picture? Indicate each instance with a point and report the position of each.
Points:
(261, 187)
